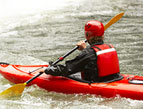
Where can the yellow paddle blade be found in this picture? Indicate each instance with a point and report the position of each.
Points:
(113, 20)
(13, 91)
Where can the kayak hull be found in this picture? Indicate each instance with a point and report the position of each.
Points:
(20, 74)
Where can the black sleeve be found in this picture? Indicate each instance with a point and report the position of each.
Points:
(81, 62)
(85, 61)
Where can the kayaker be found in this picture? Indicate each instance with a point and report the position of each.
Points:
(97, 62)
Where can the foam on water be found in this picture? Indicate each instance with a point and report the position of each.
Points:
(14, 7)
(37, 31)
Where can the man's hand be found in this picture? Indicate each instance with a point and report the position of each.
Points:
(81, 45)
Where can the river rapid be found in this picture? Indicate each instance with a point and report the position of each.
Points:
(39, 31)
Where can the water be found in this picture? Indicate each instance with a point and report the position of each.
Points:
(35, 32)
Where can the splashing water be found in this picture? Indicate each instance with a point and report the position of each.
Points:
(37, 31)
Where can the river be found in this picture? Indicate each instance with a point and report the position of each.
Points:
(39, 31)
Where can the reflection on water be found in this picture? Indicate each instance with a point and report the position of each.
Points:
(35, 32)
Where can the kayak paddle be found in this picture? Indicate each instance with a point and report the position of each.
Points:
(113, 20)
(17, 89)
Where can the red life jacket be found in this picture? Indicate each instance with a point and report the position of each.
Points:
(107, 60)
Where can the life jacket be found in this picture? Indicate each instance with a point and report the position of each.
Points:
(107, 60)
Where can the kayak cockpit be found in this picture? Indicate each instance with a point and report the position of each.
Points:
(77, 77)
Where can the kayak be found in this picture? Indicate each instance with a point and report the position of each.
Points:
(130, 86)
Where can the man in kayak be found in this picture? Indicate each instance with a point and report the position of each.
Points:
(97, 62)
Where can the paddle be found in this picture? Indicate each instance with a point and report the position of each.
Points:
(112, 21)
(17, 89)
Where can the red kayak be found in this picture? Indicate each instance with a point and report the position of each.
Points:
(130, 86)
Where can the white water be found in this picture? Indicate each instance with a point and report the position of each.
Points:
(20, 7)
(36, 31)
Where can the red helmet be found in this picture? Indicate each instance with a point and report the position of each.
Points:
(93, 28)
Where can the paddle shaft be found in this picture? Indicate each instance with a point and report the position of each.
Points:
(67, 54)
(56, 62)
(60, 58)
(40, 73)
